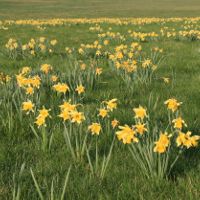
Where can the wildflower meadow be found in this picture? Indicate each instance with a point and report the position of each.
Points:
(101, 106)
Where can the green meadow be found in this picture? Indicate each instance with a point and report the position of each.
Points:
(10, 9)
(27, 171)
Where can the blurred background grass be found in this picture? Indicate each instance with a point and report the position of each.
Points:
(17, 9)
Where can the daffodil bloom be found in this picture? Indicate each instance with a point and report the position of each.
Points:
(25, 70)
(29, 90)
(194, 140)
(98, 71)
(27, 106)
(146, 63)
(95, 128)
(77, 117)
(40, 120)
(61, 87)
(44, 112)
(31, 44)
(32, 52)
(36, 81)
(54, 78)
(118, 64)
(172, 104)
(178, 123)
(180, 140)
(103, 112)
(140, 112)
(185, 139)
(53, 42)
(65, 114)
(21, 80)
(106, 42)
(119, 55)
(80, 89)
(68, 107)
(114, 123)
(111, 104)
(140, 128)
(126, 134)
(130, 54)
(165, 79)
(162, 143)
(98, 52)
(68, 50)
(81, 51)
(154, 67)
(43, 49)
(46, 68)
(4, 78)
(7, 78)
(24, 47)
(42, 39)
(83, 66)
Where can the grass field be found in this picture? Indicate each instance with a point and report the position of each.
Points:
(12, 9)
(143, 62)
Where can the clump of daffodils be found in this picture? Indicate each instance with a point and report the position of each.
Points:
(69, 112)
(128, 61)
(27, 82)
(33, 47)
(41, 118)
(156, 151)
(130, 134)
(61, 88)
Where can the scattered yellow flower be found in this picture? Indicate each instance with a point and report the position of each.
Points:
(61, 87)
(46, 68)
(106, 42)
(140, 112)
(65, 114)
(165, 79)
(162, 143)
(185, 139)
(27, 106)
(80, 89)
(68, 107)
(42, 39)
(95, 128)
(172, 104)
(98, 71)
(53, 42)
(40, 120)
(25, 70)
(54, 78)
(114, 123)
(127, 134)
(111, 104)
(44, 112)
(77, 117)
(146, 63)
(103, 112)
(29, 90)
(178, 123)
(140, 128)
